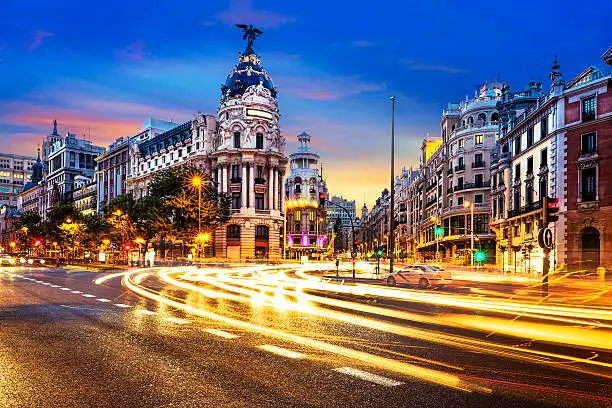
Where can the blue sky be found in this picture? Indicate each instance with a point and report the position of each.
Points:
(102, 68)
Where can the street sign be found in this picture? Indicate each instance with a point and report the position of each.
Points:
(354, 254)
(114, 246)
(545, 238)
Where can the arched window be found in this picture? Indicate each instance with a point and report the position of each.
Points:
(482, 118)
(494, 117)
(470, 120)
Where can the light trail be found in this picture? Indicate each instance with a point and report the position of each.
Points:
(421, 373)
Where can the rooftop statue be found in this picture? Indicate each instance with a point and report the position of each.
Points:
(250, 33)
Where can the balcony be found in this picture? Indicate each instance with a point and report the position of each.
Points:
(460, 167)
(236, 180)
(431, 202)
(479, 165)
(260, 180)
(449, 171)
(536, 205)
(469, 186)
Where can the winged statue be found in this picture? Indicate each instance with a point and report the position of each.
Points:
(250, 33)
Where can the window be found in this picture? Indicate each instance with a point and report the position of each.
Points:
(529, 193)
(517, 145)
(312, 216)
(543, 187)
(461, 143)
(517, 230)
(259, 171)
(237, 139)
(588, 109)
(259, 201)
(589, 184)
(517, 172)
(530, 165)
(544, 157)
(236, 201)
(478, 139)
(233, 232)
(544, 128)
(236, 173)
(530, 137)
(500, 206)
(517, 198)
(297, 215)
(261, 232)
(259, 141)
(459, 200)
(478, 180)
(461, 162)
(478, 199)
(478, 158)
(589, 143)
(528, 228)
(460, 183)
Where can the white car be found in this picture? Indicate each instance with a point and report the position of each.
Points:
(7, 259)
(422, 275)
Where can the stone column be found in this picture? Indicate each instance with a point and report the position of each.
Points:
(224, 179)
(271, 189)
(251, 185)
(243, 192)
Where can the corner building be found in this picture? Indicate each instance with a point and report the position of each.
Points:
(241, 149)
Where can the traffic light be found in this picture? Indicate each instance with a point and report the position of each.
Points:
(551, 208)
(127, 247)
(379, 252)
(439, 231)
(356, 242)
(37, 242)
(321, 199)
(480, 256)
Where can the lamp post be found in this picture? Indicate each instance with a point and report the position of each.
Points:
(392, 215)
(469, 204)
(196, 182)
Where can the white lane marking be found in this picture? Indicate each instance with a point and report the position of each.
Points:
(364, 375)
(76, 292)
(122, 305)
(65, 289)
(103, 300)
(177, 320)
(146, 312)
(88, 295)
(222, 333)
(45, 283)
(281, 351)
(55, 286)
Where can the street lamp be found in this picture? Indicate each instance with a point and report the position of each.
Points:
(392, 187)
(196, 182)
(470, 205)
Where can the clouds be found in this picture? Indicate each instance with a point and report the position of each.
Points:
(422, 66)
(328, 88)
(243, 12)
(38, 39)
(134, 52)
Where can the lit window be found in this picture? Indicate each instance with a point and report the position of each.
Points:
(588, 109)
(478, 139)
(461, 143)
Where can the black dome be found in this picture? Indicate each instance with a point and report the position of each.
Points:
(248, 72)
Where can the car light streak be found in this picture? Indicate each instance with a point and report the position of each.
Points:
(422, 373)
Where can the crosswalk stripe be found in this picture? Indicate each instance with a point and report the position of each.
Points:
(364, 375)
(222, 333)
(122, 305)
(177, 320)
(88, 295)
(103, 300)
(281, 351)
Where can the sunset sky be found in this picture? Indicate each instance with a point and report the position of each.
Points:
(102, 68)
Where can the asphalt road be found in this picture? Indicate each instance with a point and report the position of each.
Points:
(67, 342)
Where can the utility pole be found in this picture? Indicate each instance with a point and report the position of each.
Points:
(392, 206)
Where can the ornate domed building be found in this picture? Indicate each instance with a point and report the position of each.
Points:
(306, 218)
(241, 148)
(249, 161)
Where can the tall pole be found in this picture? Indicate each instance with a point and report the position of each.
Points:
(199, 222)
(392, 206)
(472, 235)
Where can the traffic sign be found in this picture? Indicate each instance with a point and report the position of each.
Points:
(545, 238)
(354, 254)
(114, 246)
